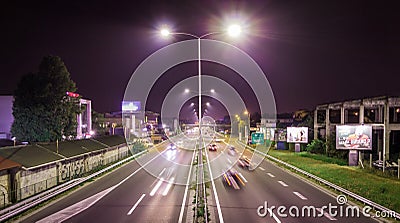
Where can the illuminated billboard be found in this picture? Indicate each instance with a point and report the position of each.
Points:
(130, 106)
(297, 134)
(354, 137)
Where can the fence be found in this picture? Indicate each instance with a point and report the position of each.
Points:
(30, 190)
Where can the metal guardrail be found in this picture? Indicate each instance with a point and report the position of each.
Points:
(37, 199)
(327, 183)
(204, 188)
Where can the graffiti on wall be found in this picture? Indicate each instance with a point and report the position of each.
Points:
(71, 169)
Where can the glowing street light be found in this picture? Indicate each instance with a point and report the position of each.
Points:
(234, 30)
(165, 32)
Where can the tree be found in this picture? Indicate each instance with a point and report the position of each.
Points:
(42, 110)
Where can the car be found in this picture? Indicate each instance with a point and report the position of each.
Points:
(232, 179)
(212, 147)
(244, 162)
(171, 146)
(232, 151)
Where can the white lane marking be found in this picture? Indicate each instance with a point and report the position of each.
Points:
(300, 195)
(123, 181)
(186, 190)
(221, 219)
(76, 208)
(283, 183)
(155, 181)
(240, 174)
(229, 161)
(156, 187)
(136, 204)
(271, 175)
(261, 168)
(66, 214)
(273, 215)
(161, 172)
(168, 187)
(326, 215)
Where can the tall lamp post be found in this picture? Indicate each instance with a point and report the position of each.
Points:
(247, 128)
(233, 30)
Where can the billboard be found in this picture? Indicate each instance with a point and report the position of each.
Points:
(297, 134)
(354, 137)
(130, 106)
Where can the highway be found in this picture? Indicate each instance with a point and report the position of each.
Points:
(268, 183)
(154, 188)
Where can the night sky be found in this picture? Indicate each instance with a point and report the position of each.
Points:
(312, 52)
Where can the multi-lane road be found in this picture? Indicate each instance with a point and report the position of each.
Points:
(156, 188)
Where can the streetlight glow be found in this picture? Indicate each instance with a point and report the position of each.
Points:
(165, 32)
(234, 30)
(212, 91)
(208, 103)
(187, 90)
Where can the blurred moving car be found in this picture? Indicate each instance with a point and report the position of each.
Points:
(212, 147)
(171, 146)
(244, 162)
(218, 140)
(232, 179)
(232, 151)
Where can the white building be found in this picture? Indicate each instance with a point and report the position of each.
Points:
(6, 117)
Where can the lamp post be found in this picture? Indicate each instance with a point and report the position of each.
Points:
(233, 30)
(247, 128)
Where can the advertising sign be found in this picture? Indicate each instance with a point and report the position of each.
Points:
(130, 106)
(297, 135)
(257, 138)
(354, 137)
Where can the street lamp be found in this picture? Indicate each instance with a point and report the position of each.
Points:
(247, 131)
(14, 139)
(233, 30)
(207, 104)
(248, 114)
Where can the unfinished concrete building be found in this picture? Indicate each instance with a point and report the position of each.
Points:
(383, 113)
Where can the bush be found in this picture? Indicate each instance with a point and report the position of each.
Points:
(316, 146)
(332, 151)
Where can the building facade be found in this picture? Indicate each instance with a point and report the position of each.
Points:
(382, 113)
